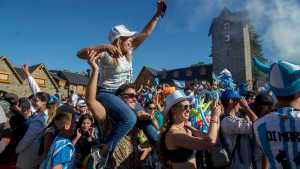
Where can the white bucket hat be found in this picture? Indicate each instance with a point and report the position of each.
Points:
(174, 98)
(119, 31)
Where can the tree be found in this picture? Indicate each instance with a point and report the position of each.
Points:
(198, 64)
(256, 51)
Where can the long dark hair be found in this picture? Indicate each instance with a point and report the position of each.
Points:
(83, 117)
(163, 152)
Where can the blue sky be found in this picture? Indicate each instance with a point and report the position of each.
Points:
(51, 31)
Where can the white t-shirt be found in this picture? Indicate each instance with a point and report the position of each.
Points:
(231, 127)
(112, 76)
(74, 99)
(278, 135)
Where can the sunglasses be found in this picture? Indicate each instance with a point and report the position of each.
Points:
(129, 95)
(186, 107)
(151, 108)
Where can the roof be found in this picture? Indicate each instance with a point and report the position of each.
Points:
(34, 68)
(31, 69)
(152, 71)
(74, 78)
(55, 76)
(203, 72)
(12, 68)
(21, 73)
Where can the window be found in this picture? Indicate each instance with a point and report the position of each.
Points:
(227, 38)
(188, 73)
(164, 75)
(227, 32)
(79, 89)
(175, 74)
(202, 71)
(41, 82)
(4, 77)
(226, 26)
(62, 83)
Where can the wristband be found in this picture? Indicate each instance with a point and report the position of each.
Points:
(214, 121)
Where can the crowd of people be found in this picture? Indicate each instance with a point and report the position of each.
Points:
(246, 128)
(207, 125)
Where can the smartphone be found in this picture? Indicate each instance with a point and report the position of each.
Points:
(164, 6)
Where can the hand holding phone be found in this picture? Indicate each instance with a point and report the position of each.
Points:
(162, 7)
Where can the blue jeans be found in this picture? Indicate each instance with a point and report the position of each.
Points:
(149, 130)
(147, 126)
(122, 115)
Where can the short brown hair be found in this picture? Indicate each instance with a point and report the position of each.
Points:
(63, 118)
(124, 87)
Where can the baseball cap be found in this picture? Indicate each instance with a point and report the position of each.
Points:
(119, 31)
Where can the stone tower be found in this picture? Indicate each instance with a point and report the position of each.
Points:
(231, 44)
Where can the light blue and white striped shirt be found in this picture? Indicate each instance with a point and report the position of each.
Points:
(278, 135)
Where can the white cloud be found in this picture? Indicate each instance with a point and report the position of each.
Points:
(281, 20)
(277, 21)
(195, 12)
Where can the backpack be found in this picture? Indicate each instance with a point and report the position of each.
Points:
(220, 156)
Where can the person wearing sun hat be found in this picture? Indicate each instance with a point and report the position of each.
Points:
(278, 132)
(179, 140)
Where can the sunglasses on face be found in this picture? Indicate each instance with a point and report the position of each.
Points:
(186, 107)
(129, 95)
(151, 108)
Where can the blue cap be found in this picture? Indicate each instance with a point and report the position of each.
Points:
(230, 94)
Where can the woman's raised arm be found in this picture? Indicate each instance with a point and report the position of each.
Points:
(96, 107)
(140, 38)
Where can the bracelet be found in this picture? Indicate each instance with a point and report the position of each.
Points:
(214, 121)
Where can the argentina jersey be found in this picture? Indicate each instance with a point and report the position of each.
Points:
(278, 135)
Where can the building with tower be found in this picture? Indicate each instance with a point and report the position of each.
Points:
(231, 44)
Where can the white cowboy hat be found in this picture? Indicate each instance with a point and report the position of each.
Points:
(174, 98)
